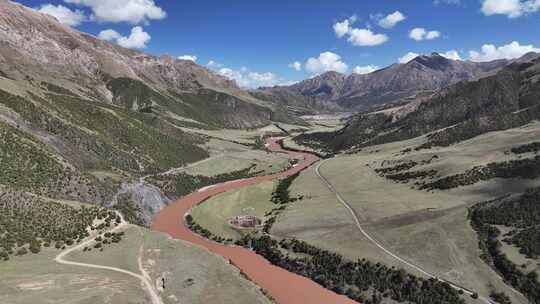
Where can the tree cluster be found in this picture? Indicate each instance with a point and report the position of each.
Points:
(360, 280)
(522, 168)
(521, 213)
(28, 223)
(527, 148)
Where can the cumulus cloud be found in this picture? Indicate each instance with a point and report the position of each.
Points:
(132, 11)
(365, 69)
(297, 66)
(326, 62)
(188, 57)
(512, 50)
(510, 8)
(421, 33)
(109, 35)
(391, 20)
(136, 40)
(342, 28)
(358, 37)
(453, 54)
(246, 79)
(408, 57)
(365, 37)
(63, 14)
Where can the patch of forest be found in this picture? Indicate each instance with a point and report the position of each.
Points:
(28, 223)
(406, 176)
(531, 147)
(523, 215)
(361, 280)
(400, 174)
(522, 168)
(397, 168)
(131, 212)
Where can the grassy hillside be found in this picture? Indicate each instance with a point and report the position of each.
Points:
(33, 231)
(499, 102)
(428, 228)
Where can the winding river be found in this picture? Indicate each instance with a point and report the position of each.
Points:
(285, 287)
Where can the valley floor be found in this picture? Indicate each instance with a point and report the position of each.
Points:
(427, 228)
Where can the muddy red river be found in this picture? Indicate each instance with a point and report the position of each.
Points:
(285, 287)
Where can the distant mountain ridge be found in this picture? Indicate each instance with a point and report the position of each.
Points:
(334, 90)
(506, 99)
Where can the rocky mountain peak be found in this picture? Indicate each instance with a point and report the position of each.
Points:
(434, 61)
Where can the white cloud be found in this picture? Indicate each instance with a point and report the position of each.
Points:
(512, 50)
(297, 66)
(109, 35)
(510, 8)
(188, 57)
(326, 61)
(358, 37)
(231, 74)
(136, 40)
(421, 33)
(214, 65)
(247, 79)
(365, 37)
(288, 83)
(417, 33)
(365, 69)
(453, 54)
(342, 28)
(132, 11)
(391, 20)
(263, 79)
(433, 35)
(408, 57)
(63, 14)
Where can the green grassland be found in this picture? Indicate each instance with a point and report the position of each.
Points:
(213, 213)
(264, 162)
(38, 279)
(193, 275)
(430, 229)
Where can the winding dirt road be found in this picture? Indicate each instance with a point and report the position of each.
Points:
(285, 287)
(144, 278)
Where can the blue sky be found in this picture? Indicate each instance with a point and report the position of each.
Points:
(257, 42)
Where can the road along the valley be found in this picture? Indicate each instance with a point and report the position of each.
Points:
(380, 246)
(285, 287)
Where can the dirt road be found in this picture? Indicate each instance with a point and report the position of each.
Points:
(145, 279)
(380, 246)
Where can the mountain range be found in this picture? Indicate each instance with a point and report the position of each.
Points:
(508, 98)
(74, 106)
(336, 91)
